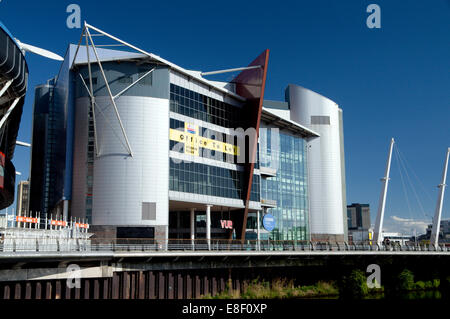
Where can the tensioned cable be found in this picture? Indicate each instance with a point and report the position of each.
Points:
(403, 181)
(402, 161)
(424, 189)
(101, 112)
(412, 185)
(110, 125)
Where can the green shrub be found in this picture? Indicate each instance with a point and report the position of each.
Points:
(429, 284)
(354, 285)
(406, 280)
(419, 285)
(436, 283)
(426, 285)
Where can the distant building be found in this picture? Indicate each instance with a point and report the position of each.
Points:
(23, 198)
(47, 152)
(444, 232)
(358, 216)
(358, 221)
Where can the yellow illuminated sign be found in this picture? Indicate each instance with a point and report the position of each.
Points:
(192, 141)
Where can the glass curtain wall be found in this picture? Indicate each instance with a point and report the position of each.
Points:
(289, 187)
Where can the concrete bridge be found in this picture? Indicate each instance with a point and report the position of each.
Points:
(131, 271)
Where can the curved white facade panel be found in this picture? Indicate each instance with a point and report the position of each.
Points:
(122, 183)
(324, 163)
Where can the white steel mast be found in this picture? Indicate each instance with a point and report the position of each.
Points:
(437, 215)
(382, 203)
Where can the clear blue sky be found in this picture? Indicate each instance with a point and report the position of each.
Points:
(390, 82)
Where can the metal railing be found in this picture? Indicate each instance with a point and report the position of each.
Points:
(155, 245)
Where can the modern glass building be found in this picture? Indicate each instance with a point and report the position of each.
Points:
(155, 150)
(48, 150)
(287, 191)
(320, 158)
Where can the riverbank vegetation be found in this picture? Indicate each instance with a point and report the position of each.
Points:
(353, 286)
(279, 289)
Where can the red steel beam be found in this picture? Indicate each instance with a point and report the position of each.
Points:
(251, 85)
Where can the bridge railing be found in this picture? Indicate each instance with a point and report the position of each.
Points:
(155, 245)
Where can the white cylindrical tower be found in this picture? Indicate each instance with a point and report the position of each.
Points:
(121, 183)
(111, 187)
(325, 162)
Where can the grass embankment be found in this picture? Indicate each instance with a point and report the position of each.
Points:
(279, 289)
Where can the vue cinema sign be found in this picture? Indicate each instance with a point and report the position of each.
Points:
(226, 224)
